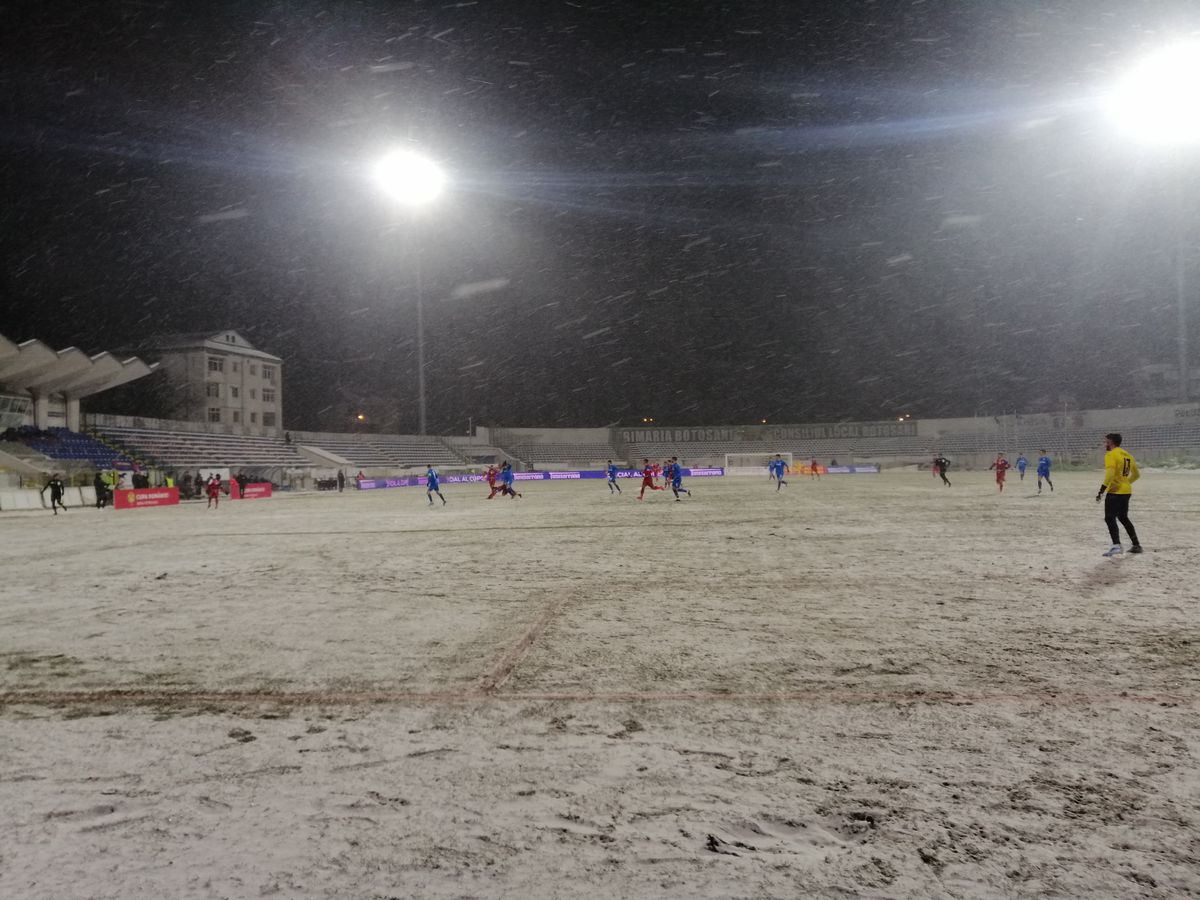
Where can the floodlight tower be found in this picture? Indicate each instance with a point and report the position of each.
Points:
(1157, 104)
(414, 182)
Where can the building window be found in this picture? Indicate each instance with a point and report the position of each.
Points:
(229, 338)
(253, 369)
(236, 367)
(269, 419)
(253, 418)
(253, 393)
(216, 364)
(268, 373)
(237, 416)
(268, 395)
(212, 390)
(214, 414)
(233, 391)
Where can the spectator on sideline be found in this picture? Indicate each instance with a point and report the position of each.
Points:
(101, 491)
(341, 480)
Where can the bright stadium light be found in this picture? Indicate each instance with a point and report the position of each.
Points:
(409, 178)
(1157, 102)
(412, 180)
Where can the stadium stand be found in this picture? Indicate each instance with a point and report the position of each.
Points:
(389, 451)
(417, 450)
(549, 453)
(69, 447)
(183, 449)
(479, 454)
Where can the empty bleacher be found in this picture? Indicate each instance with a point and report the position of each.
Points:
(383, 451)
(184, 449)
(564, 453)
(69, 447)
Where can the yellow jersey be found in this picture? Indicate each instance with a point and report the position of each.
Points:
(1120, 471)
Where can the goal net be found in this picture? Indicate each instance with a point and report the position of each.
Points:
(753, 463)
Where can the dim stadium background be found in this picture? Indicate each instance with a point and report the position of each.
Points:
(232, 397)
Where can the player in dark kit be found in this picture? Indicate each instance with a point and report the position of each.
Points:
(432, 485)
(1120, 472)
(506, 481)
(57, 489)
(1001, 465)
(613, 487)
(1043, 471)
(814, 469)
(940, 467)
(778, 468)
(675, 475)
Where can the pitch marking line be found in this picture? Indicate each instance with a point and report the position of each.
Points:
(508, 663)
(142, 697)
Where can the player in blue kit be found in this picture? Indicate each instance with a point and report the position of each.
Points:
(506, 481)
(613, 487)
(778, 469)
(1043, 471)
(1022, 465)
(675, 476)
(431, 485)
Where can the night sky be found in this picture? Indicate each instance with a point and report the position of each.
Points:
(706, 213)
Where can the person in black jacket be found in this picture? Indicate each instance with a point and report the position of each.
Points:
(940, 466)
(101, 491)
(57, 489)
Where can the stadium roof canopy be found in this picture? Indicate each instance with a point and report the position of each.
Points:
(220, 341)
(38, 369)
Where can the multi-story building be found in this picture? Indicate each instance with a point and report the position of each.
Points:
(222, 379)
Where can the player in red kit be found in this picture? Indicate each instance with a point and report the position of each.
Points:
(815, 471)
(648, 478)
(1001, 465)
(213, 490)
(490, 476)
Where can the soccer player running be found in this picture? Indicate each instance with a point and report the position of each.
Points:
(1001, 465)
(506, 481)
(613, 487)
(57, 489)
(777, 468)
(490, 476)
(815, 469)
(1043, 471)
(1022, 465)
(675, 471)
(647, 479)
(940, 466)
(1120, 472)
(432, 485)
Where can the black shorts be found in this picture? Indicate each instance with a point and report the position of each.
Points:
(1116, 505)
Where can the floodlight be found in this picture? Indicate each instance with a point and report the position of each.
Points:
(409, 178)
(1157, 101)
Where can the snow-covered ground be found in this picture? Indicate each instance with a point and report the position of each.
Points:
(863, 686)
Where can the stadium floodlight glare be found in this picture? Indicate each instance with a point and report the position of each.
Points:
(1157, 101)
(409, 178)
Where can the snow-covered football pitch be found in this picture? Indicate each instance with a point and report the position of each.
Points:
(862, 686)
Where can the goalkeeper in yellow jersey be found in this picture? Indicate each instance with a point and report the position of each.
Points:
(1120, 472)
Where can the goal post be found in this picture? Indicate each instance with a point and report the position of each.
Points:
(754, 463)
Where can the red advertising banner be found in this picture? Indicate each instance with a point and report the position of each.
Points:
(259, 490)
(141, 497)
